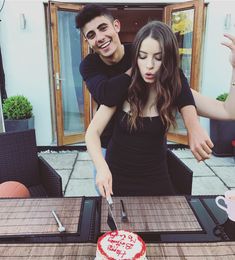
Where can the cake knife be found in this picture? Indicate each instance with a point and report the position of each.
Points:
(110, 220)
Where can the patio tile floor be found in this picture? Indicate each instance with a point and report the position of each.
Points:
(214, 176)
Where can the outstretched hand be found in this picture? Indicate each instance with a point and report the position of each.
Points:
(231, 46)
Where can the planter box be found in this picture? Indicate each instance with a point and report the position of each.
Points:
(222, 133)
(19, 125)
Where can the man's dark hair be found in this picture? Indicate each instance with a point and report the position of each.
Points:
(90, 12)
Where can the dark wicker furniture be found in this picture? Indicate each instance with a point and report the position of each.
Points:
(19, 161)
(181, 175)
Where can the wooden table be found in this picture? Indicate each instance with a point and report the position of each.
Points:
(28, 230)
(213, 251)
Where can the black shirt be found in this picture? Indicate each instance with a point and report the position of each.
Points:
(107, 84)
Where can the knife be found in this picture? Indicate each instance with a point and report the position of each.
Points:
(124, 217)
(111, 220)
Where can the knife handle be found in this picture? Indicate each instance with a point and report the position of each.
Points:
(110, 200)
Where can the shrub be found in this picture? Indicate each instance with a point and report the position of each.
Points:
(222, 97)
(17, 107)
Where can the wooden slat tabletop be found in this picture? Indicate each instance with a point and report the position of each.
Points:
(152, 214)
(47, 251)
(34, 216)
(189, 251)
(192, 251)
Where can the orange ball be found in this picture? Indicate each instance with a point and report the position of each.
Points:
(13, 189)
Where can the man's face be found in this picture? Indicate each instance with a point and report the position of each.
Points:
(102, 35)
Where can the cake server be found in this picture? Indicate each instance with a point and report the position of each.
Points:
(111, 220)
(61, 228)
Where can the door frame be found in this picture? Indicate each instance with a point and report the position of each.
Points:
(62, 139)
(54, 6)
(198, 30)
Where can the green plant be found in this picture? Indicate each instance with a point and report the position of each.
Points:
(17, 107)
(222, 97)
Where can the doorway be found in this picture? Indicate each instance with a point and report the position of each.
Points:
(187, 21)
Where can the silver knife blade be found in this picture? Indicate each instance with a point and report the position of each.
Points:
(111, 220)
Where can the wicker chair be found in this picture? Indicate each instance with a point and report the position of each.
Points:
(19, 162)
(181, 176)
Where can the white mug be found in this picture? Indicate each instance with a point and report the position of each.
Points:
(229, 200)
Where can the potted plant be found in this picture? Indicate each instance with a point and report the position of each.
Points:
(17, 112)
(222, 133)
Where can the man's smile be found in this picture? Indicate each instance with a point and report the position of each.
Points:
(104, 45)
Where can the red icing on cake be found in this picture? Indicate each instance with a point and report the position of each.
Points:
(120, 244)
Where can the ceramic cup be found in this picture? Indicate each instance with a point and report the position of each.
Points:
(229, 200)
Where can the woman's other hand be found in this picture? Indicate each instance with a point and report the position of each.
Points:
(231, 46)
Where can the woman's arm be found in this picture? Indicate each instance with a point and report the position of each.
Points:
(215, 109)
(92, 137)
(212, 108)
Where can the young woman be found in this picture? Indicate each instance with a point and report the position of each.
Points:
(136, 155)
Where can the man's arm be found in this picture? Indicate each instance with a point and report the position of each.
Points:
(104, 90)
(199, 141)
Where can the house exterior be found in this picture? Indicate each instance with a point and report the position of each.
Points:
(29, 58)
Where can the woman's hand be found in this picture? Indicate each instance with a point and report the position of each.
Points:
(104, 182)
(231, 46)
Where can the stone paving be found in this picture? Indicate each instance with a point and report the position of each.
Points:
(212, 177)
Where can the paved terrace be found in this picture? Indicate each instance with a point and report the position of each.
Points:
(212, 177)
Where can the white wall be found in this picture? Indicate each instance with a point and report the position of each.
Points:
(216, 69)
(24, 56)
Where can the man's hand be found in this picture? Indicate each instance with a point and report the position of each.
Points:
(104, 182)
(199, 143)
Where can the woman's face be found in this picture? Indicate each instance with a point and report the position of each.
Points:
(149, 59)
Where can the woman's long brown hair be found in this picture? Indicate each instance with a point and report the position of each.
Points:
(167, 85)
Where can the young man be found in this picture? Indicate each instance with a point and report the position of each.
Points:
(107, 74)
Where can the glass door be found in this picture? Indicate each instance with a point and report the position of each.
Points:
(2, 128)
(187, 22)
(71, 97)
